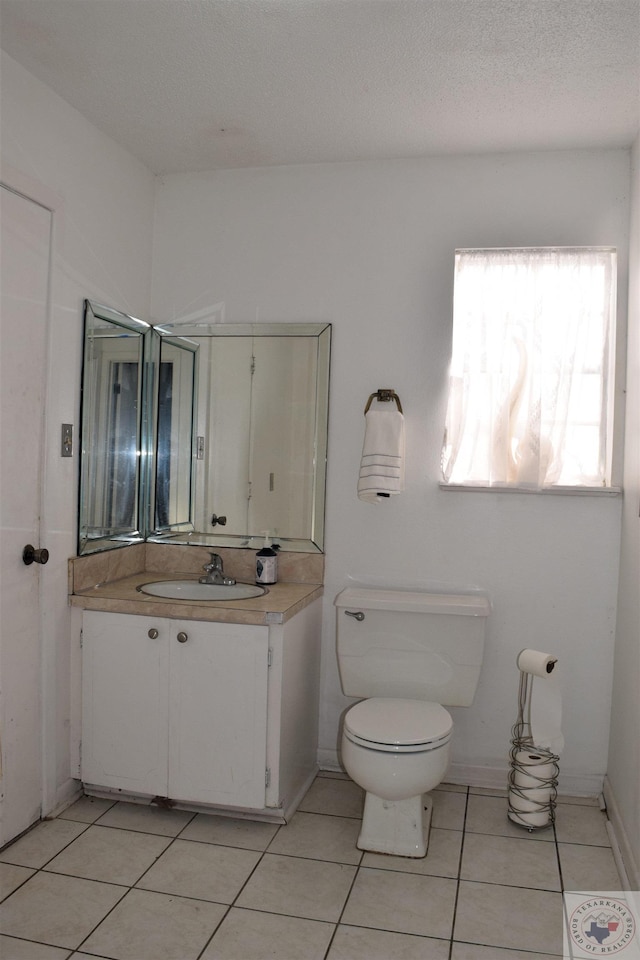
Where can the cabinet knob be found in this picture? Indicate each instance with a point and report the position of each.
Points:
(153, 634)
(182, 637)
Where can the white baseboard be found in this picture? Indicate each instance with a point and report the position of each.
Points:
(621, 838)
(491, 778)
(497, 778)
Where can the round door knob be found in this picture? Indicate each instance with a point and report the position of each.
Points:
(182, 637)
(153, 634)
(32, 554)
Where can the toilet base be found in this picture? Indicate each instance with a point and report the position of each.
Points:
(397, 827)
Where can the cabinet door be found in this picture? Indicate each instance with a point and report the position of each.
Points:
(124, 702)
(218, 713)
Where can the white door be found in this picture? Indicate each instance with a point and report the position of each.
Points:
(218, 713)
(125, 695)
(24, 289)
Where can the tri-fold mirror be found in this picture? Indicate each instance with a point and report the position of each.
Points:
(207, 433)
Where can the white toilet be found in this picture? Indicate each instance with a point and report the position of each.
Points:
(408, 653)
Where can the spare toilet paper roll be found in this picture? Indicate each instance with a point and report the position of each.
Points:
(531, 770)
(537, 663)
(530, 801)
(540, 819)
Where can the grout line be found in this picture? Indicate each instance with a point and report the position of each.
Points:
(344, 905)
(455, 902)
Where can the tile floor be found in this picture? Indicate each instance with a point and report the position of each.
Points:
(126, 882)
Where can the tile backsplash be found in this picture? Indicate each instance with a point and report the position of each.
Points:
(86, 572)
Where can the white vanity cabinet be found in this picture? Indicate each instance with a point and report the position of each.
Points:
(210, 713)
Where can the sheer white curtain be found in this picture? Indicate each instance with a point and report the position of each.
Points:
(532, 342)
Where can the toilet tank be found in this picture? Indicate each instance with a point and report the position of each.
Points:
(421, 646)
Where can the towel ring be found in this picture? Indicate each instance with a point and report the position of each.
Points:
(384, 396)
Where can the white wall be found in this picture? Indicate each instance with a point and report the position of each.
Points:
(369, 247)
(624, 748)
(103, 201)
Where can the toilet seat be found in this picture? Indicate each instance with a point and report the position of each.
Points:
(398, 726)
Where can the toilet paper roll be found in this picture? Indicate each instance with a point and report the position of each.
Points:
(531, 770)
(530, 801)
(541, 819)
(535, 662)
(536, 778)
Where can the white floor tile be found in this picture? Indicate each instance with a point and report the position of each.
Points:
(202, 871)
(42, 843)
(11, 877)
(577, 824)
(87, 809)
(300, 888)
(113, 856)
(448, 810)
(57, 910)
(340, 798)
(510, 861)
(510, 917)
(452, 788)
(401, 902)
(489, 815)
(146, 819)
(359, 943)
(12, 949)
(153, 926)
(319, 837)
(251, 935)
(588, 867)
(89, 956)
(230, 832)
(472, 951)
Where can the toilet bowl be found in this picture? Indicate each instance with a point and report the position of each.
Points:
(407, 653)
(396, 750)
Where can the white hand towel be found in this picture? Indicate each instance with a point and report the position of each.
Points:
(382, 465)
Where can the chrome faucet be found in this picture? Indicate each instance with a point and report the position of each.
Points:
(215, 573)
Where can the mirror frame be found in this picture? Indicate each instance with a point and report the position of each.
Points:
(181, 526)
(180, 334)
(100, 317)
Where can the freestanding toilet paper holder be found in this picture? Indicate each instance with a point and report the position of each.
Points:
(533, 777)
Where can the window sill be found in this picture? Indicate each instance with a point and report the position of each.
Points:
(545, 491)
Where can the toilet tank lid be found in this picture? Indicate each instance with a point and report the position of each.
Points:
(369, 598)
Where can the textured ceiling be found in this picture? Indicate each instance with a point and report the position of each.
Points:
(205, 84)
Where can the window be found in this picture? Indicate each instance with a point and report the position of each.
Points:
(531, 388)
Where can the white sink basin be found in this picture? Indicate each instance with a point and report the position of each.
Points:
(193, 590)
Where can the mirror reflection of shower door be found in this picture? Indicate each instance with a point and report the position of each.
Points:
(176, 383)
(121, 463)
(282, 436)
(163, 456)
